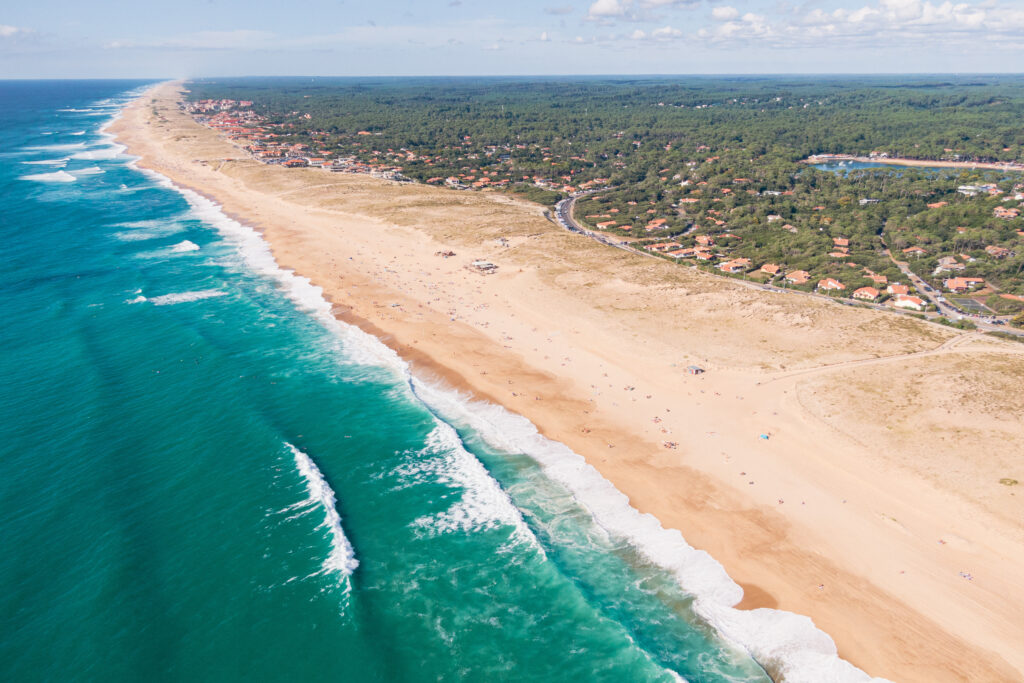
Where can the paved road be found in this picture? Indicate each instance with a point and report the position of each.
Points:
(563, 215)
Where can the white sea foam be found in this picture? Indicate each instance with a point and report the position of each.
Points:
(73, 110)
(92, 170)
(68, 146)
(81, 132)
(139, 235)
(184, 297)
(185, 246)
(150, 229)
(49, 162)
(136, 300)
(155, 223)
(55, 177)
(110, 151)
(484, 504)
(342, 558)
(787, 645)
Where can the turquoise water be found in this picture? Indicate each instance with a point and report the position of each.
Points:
(202, 477)
(846, 167)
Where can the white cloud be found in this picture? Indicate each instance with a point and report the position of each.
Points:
(637, 35)
(544, 37)
(666, 33)
(8, 31)
(877, 23)
(609, 8)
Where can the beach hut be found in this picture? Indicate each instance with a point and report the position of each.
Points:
(694, 369)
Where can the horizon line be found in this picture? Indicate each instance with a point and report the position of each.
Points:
(529, 75)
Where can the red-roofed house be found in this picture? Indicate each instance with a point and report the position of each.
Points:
(740, 265)
(875, 277)
(830, 284)
(866, 293)
(998, 252)
(907, 301)
(962, 284)
(664, 246)
(798, 277)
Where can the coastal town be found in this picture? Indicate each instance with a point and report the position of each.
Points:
(794, 235)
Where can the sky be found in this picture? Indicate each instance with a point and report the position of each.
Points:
(208, 38)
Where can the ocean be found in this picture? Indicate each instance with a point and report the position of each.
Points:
(204, 476)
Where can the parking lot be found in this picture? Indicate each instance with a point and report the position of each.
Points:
(971, 306)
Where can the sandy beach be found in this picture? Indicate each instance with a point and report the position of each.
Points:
(880, 505)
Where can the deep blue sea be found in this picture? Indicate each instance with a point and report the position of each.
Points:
(203, 476)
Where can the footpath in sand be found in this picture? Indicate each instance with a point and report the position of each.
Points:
(881, 505)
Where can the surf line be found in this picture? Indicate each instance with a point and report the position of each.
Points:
(342, 558)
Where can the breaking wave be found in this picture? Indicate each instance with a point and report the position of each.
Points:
(185, 297)
(105, 154)
(55, 177)
(49, 162)
(342, 558)
(92, 170)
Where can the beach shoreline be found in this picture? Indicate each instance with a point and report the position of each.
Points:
(371, 263)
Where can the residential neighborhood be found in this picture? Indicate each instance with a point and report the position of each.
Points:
(805, 232)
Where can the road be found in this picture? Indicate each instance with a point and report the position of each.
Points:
(563, 216)
(943, 305)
